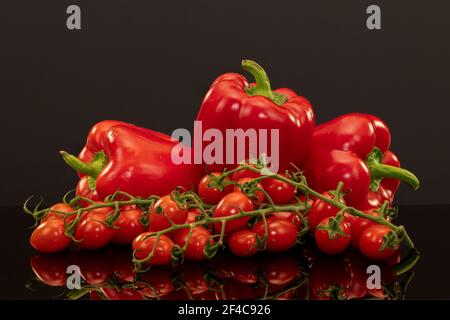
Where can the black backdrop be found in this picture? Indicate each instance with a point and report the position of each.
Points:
(151, 62)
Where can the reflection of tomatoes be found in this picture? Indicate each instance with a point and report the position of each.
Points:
(155, 283)
(123, 264)
(230, 205)
(193, 276)
(279, 191)
(95, 266)
(121, 294)
(51, 269)
(280, 270)
(329, 278)
(387, 278)
(210, 194)
(358, 265)
(236, 290)
(281, 234)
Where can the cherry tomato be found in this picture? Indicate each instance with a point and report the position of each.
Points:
(359, 225)
(212, 195)
(290, 216)
(92, 231)
(84, 191)
(144, 247)
(192, 215)
(321, 210)
(371, 241)
(129, 226)
(195, 249)
(51, 269)
(280, 270)
(245, 173)
(329, 279)
(279, 191)
(243, 243)
(335, 245)
(258, 196)
(230, 205)
(60, 207)
(49, 236)
(163, 210)
(281, 233)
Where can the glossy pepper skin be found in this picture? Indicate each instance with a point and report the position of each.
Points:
(354, 149)
(121, 156)
(232, 102)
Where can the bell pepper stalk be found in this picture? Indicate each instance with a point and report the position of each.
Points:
(121, 156)
(354, 148)
(233, 103)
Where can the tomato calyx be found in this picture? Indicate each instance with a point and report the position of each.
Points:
(333, 227)
(390, 241)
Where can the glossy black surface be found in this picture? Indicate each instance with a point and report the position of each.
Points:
(427, 226)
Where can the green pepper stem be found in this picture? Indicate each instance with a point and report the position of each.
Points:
(379, 170)
(262, 87)
(92, 169)
(261, 79)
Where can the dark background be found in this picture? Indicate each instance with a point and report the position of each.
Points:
(151, 62)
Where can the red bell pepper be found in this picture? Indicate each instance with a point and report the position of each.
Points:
(233, 103)
(121, 156)
(353, 149)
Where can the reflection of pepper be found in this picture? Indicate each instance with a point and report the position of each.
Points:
(121, 156)
(353, 149)
(233, 103)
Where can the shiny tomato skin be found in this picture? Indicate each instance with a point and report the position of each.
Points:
(279, 191)
(230, 205)
(320, 210)
(290, 216)
(359, 225)
(371, 241)
(197, 243)
(332, 246)
(163, 209)
(243, 243)
(281, 233)
(60, 207)
(212, 195)
(49, 236)
(92, 233)
(258, 197)
(128, 226)
(143, 246)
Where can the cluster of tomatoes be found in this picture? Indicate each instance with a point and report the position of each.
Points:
(170, 228)
(302, 274)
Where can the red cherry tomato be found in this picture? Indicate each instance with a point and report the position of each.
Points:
(195, 249)
(60, 207)
(281, 234)
(330, 245)
(359, 225)
(192, 215)
(245, 173)
(49, 236)
(92, 231)
(232, 204)
(129, 226)
(321, 210)
(84, 191)
(243, 243)
(212, 195)
(143, 247)
(290, 216)
(371, 242)
(258, 196)
(279, 191)
(163, 210)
